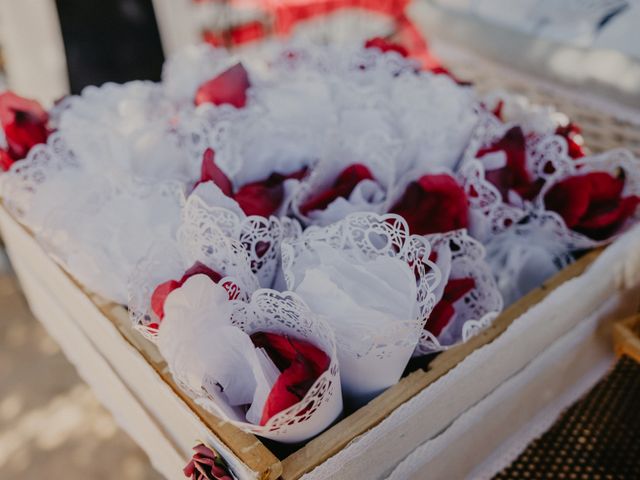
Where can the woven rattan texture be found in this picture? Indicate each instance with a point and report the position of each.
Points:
(597, 438)
(602, 131)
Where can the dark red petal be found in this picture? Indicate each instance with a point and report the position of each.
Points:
(497, 111)
(605, 187)
(162, 291)
(300, 362)
(385, 45)
(440, 317)
(24, 123)
(265, 197)
(199, 268)
(514, 175)
(160, 295)
(5, 160)
(190, 469)
(289, 389)
(603, 224)
(570, 132)
(457, 288)
(229, 87)
(530, 191)
(261, 248)
(434, 204)
(342, 187)
(283, 350)
(210, 172)
(570, 199)
(220, 473)
(443, 312)
(259, 199)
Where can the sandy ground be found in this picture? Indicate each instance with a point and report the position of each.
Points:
(51, 425)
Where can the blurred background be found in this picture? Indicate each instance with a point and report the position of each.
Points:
(51, 425)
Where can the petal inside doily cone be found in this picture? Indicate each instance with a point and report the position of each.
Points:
(226, 373)
(285, 313)
(367, 265)
(472, 309)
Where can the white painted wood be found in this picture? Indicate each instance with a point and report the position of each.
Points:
(34, 55)
(96, 372)
(180, 424)
(494, 431)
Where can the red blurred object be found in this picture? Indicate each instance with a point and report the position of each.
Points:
(285, 15)
(229, 87)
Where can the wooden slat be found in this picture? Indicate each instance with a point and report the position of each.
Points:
(333, 440)
(626, 338)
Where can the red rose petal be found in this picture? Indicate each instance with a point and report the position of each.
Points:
(24, 123)
(514, 175)
(570, 199)
(229, 87)
(605, 187)
(300, 362)
(385, 45)
(342, 187)
(210, 172)
(160, 295)
(457, 288)
(162, 291)
(5, 161)
(265, 197)
(601, 225)
(571, 133)
(440, 316)
(592, 203)
(289, 389)
(190, 469)
(434, 204)
(199, 268)
(443, 312)
(497, 111)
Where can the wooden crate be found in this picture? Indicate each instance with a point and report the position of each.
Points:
(133, 381)
(388, 428)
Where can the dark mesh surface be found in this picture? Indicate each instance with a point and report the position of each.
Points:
(596, 438)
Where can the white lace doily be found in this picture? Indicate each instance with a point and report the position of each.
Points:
(96, 228)
(125, 131)
(546, 158)
(260, 236)
(375, 103)
(170, 259)
(267, 312)
(478, 308)
(524, 256)
(363, 239)
(613, 162)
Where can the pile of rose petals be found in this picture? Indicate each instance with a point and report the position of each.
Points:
(291, 230)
